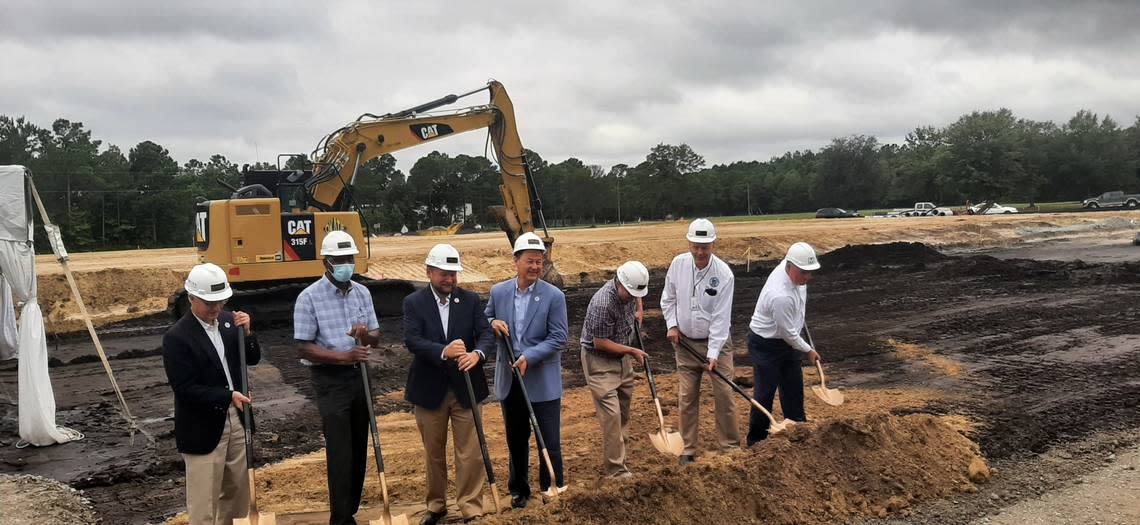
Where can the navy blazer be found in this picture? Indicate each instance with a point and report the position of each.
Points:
(430, 377)
(201, 396)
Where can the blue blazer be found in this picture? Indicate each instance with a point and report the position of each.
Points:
(542, 340)
(430, 377)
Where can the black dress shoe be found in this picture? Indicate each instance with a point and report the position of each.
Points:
(431, 518)
(687, 459)
(518, 501)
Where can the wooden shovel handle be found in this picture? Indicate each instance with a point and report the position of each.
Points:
(822, 381)
(731, 383)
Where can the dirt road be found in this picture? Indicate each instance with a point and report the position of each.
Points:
(1036, 353)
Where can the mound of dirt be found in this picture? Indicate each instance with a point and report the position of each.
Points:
(110, 294)
(32, 500)
(867, 466)
(890, 254)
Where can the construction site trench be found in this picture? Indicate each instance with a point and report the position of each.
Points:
(973, 383)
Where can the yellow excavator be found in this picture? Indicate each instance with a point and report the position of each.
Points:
(266, 235)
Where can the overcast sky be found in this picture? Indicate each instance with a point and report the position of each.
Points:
(601, 81)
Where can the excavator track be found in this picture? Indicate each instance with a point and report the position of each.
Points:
(273, 304)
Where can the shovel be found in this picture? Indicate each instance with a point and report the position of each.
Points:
(254, 517)
(664, 441)
(553, 491)
(482, 441)
(831, 396)
(386, 518)
(773, 426)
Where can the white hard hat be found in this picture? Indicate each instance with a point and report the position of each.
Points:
(529, 241)
(444, 257)
(208, 282)
(634, 277)
(701, 231)
(338, 242)
(803, 256)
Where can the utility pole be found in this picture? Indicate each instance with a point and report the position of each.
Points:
(748, 196)
(619, 201)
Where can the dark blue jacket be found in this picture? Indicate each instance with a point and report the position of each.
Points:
(201, 395)
(430, 377)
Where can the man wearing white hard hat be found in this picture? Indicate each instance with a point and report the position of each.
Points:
(200, 354)
(532, 313)
(697, 305)
(774, 341)
(334, 325)
(607, 358)
(448, 335)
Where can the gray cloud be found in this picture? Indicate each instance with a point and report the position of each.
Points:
(737, 80)
(119, 20)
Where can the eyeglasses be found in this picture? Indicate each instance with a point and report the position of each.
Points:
(711, 291)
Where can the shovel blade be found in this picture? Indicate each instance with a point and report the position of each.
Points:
(775, 428)
(831, 396)
(667, 443)
(260, 518)
(398, 519)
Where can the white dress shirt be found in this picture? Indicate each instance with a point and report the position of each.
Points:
(443, 303)
(219, 347)
(780, 310)
(688, 303)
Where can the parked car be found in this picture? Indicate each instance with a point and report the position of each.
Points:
(995, 209)
(1112, 199)
(836, 213)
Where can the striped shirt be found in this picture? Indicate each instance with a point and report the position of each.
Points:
(607, 317)
(324, 314)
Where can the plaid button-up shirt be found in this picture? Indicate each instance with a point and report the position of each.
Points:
(324, 314)
(607, 317)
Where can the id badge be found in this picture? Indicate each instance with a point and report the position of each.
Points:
(694, 306)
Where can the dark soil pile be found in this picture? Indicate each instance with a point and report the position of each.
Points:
(890, 254)
(868, 466)
(1075, 272)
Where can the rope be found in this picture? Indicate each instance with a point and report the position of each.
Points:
(125, 411)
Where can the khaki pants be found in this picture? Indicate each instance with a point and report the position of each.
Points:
(689, 372)
(611, 384)
(217, 484)
(469, 473)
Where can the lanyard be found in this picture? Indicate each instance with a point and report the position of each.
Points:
(698, 278)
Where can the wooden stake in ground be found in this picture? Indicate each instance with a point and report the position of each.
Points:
(57, 246)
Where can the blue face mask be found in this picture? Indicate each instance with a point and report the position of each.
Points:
(342, 272)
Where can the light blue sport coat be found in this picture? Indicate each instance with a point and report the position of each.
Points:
(542, 340)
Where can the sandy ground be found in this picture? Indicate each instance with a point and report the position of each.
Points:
(1035, 355)
(1110, 496)
(32, 500)
(129, 284)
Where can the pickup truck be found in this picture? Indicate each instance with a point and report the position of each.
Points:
(1112, 199)
(924, 209)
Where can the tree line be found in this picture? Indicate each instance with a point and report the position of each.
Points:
(104, 198)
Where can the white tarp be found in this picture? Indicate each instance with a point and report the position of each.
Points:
(14, 208)
(14, 226)
(17, 264)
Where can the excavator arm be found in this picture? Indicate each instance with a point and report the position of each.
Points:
(340, 154)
